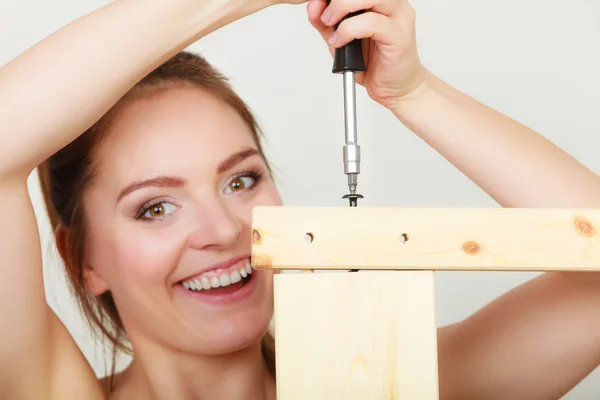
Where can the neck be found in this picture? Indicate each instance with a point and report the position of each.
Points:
(156, 373)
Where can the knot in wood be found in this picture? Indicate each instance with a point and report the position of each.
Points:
(584, 227)
(471, 247)
(256, 238)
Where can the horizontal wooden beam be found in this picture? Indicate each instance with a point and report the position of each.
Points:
(342, 238)
(370, 335)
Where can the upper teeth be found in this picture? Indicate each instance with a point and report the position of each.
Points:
(225, 279)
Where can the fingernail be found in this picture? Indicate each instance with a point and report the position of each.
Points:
(332, 39)
(326, 16)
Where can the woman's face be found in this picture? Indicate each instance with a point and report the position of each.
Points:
(169, 221)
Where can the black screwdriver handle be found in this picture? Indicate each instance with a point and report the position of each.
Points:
(349, 57)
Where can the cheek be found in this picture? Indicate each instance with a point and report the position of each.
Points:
(130, 255)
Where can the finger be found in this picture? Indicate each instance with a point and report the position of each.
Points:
(368, 25)
(338, 9)
(315, 10)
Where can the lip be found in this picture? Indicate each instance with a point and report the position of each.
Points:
(215, 267)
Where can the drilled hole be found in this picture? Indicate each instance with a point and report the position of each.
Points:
(403, 238)
(309, 237)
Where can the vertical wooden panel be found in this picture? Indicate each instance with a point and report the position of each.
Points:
(365, 335)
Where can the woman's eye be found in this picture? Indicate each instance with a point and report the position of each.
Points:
(158, 210)
(239, 184)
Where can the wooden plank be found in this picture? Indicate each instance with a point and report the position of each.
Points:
(369, 335)
(437, 238)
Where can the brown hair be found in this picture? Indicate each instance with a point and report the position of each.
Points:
(66, 174)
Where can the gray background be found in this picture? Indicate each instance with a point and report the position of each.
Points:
(535, 60)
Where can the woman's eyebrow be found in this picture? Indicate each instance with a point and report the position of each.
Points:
(235, 158)
(159, 181)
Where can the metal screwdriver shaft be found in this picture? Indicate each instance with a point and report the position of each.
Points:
(348, 60)
(351, 148)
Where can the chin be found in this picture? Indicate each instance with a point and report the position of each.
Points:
(222, 325)
(232, 335)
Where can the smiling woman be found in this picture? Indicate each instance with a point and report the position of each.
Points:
(150, 167)
(172, 218)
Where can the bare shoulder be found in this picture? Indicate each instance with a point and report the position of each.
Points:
(74, 377)
(39, 359)
(518, 337)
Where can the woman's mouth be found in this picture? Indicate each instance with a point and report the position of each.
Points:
(222, 285)
(217, 281)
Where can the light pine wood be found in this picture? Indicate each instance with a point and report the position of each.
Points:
(336, 238)
(368, 335)
(372, 334)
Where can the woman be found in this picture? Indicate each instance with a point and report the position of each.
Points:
(150, 168)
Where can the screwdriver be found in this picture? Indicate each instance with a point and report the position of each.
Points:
(348, 60)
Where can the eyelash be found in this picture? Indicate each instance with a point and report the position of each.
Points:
(256, 176)
(147, 206)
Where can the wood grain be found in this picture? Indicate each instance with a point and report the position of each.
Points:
(425, 238)
(369, 335)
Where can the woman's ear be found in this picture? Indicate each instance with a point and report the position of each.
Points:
(93, 282)
(61, 242)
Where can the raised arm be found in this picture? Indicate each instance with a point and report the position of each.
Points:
(513, 164)
(542, 338)
(48, 96)
(516, 166)
(52, 92)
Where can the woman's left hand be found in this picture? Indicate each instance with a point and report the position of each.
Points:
(387, 27)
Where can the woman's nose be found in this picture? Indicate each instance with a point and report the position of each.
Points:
(215, 227)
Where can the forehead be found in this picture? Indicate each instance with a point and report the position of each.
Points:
(181, 130)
